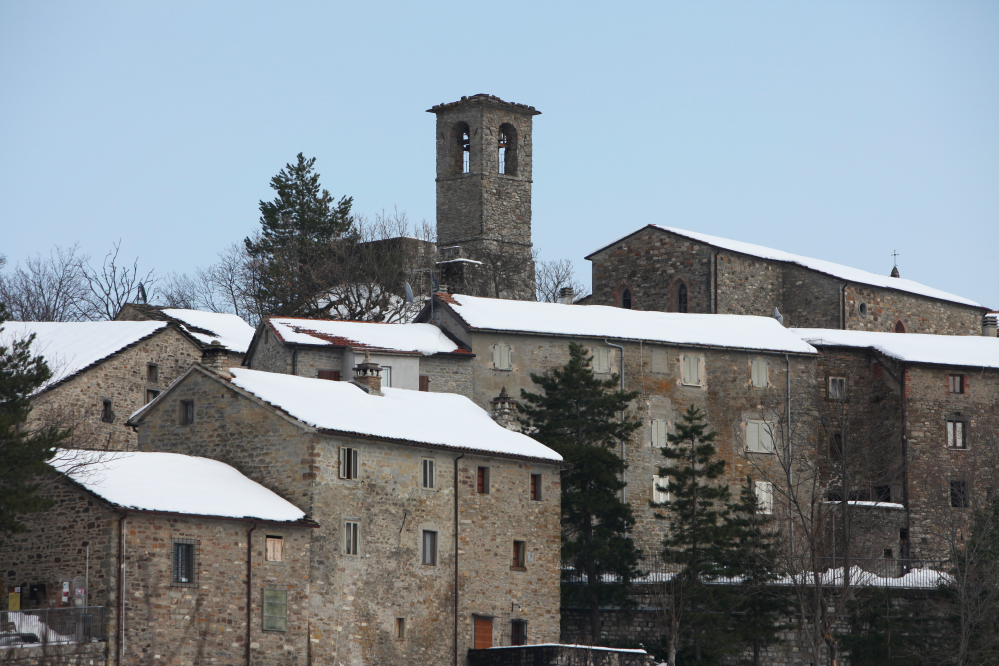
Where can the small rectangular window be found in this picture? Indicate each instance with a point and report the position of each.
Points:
(482, 481)
(660, 489)
(519, 555)
(348, 463)
(836, 446)
(957, 434)
(759, 437)
(957, 383)
(184, 565)
(427, 473)
(107, 414)
(882, 493)
(764, 496)
(275, 549)
(660, 428)
(759, 372)
(837, 388)
(889, 554)
(332, 375)
(425, 383)
(400, 628)
(502, 357)
(429, 548)
(691, 370)
(275, 610)
(536, 487)
(152, 373)
(601, 359)
(959, 494)
(518, 632)
(186, 412)
(151, 395)
(351, 538)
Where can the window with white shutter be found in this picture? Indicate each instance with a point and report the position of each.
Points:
(501, 357)
(759, 437)
(759, 372)
(765, 496)
(659, 429)
(348, 463)
(601, 359)
(660, 489)
(691, 370)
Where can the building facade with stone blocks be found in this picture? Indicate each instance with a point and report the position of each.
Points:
(102, 373)
(198, 587)
(674, 270)
(211, 329)
(943, 393)
(735, 369)
(428, 523)
(484, 178)
(411, 356)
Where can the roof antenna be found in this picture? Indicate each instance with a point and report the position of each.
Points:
(894, 270)
(409, 297)
(778, 316)
(142, 294)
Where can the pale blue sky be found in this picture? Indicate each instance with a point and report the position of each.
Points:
(836, 130)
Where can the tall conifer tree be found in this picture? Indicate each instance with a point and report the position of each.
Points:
(581, 417)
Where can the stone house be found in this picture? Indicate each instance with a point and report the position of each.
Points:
(439, 528)
(736, 369)
(674, 270)
(211, 329)
(214, 567)
(944, 393)
(411, 356)
(103, 372)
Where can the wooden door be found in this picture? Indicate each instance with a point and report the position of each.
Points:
(483, 632)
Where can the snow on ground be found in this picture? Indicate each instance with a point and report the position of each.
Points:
(426, 339)
(229, 329)
(855, 275)
(69, 347)
(28, 622)
(176, 483)
(443, 419)
(600, 321)
(967, 350)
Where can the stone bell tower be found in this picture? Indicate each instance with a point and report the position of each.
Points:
(484, 197)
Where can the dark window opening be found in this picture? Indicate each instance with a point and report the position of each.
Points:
(681, 298)
(957, 383)
(400, 628)
(889, 554)
(152, 373)
(959, 494)
(626, 299)
(519, 555)
(184, 566)
(482, 481)
(186, 412)
(899, 327)
(507, 150)
(836, 446)
(429, 548)
(518, 632)
(882, 493)
(536, 487)
(107, 414)
(837, 388)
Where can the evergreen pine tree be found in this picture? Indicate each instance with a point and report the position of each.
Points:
(579, 416)
(23, 450)
(699, 541)
(760, 604)
(296, 247)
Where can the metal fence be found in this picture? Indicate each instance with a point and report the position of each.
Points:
(52, 626)
(828, 571)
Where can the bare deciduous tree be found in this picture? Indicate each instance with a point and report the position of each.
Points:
(112, 285)
(552, 276)
(49, 288)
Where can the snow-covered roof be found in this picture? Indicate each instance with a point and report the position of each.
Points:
(175, 483)
(425, 339)
(837, 270)
(601, 321)
(229, 329)
(967, 350)
(69, 347)
(438, 419)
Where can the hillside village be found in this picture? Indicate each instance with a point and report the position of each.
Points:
(324, 491)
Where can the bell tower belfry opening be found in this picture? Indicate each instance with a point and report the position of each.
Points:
(484, 181)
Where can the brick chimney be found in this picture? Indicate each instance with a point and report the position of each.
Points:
(504, 411)
(368, 375)
(216, 357)
(989, 325)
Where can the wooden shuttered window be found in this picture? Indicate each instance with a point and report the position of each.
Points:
(759, 437)
(764, 496)
(759, 373)
(483, 632)
(660, 427)
(332, 375)
(502, 357)
(536, 487)
(601, 359)
(275, 549)
(692, 370)
(482, 481)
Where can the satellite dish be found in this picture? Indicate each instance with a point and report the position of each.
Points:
(409, 293)
(778, 316)
(142, 294)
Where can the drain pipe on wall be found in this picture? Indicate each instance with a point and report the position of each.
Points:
(456, 558)
(121, 586)
(624, 489)
(790, 460)
(249, 587)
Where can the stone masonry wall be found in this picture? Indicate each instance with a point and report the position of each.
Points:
(810, 299)
(123, 379)
(448, 374)
(918, 314)
(172, 625)
(748, 285)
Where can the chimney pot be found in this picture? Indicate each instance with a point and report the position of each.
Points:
(566, 295)
(368, 375)
(989, 325)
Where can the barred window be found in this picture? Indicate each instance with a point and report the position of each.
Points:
(185, 570)
(959, 494)
(275, 610)
(107, 414)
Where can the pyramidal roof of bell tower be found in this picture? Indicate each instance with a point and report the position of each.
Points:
(483, 99)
